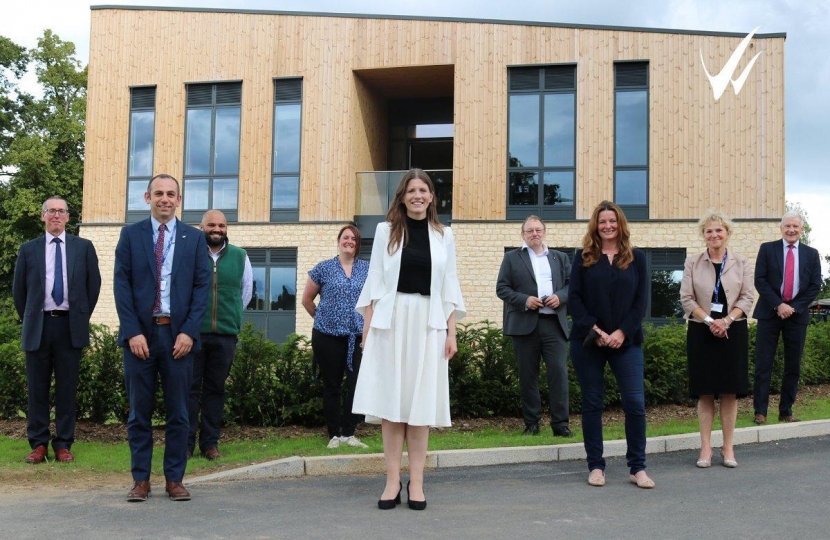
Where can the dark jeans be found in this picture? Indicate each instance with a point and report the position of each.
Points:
(627, 366)
(547, 341)
(766, 342)
(57, 355)
(140, 377)
(211, 367)
(330, 354)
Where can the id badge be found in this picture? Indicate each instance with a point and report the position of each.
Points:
(163, 287)
(717, 308)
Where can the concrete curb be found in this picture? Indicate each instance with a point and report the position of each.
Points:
(347, 464)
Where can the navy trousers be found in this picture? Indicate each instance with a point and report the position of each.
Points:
(211, 367)
(766, 342)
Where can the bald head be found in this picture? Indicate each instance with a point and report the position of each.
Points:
(215, 227)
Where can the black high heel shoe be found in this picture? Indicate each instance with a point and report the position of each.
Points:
(414, 505)
(389, 504)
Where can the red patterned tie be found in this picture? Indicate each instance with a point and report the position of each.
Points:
(159, 251)
(789, 274)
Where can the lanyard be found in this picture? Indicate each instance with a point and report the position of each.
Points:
(169, 241)
(720, 273)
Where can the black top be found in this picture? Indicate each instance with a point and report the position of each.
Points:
(609, 296)
(416, 263)
(721, 296)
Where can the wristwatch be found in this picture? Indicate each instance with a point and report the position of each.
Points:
(708, 320)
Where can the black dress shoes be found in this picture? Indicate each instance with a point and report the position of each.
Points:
(389, 504)
(414, 505)
(562, 431)
(531, 429)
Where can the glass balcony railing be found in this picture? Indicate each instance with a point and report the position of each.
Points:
(376, 189)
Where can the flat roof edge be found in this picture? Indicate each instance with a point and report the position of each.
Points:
(441, 19)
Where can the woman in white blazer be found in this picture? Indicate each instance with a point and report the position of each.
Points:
(410, 304)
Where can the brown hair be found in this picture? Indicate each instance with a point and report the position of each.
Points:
(592, 242)
(357, 238)
(396, 216)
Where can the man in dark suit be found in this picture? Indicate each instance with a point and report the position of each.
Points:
(56, 286)
(533, 283)
(161, 285)
(788, 279)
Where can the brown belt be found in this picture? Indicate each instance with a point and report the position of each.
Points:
(161, 320)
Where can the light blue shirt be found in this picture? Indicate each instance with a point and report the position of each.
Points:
(167, 264)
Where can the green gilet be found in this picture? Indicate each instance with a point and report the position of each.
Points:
(224, 308)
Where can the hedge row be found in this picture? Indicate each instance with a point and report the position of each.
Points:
(273, 384)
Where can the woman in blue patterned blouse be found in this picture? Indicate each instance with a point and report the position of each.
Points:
(337, 332)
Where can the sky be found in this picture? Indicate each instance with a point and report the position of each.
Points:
(807, 62)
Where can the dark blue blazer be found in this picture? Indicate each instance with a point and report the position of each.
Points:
(769, 276)
(135, 281)
(82, 277)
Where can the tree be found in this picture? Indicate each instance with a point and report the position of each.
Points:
(13, 59)
(45, 150)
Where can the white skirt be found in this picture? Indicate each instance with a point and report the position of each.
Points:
(403, 375)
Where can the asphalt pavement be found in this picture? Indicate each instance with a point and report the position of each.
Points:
(779, 491)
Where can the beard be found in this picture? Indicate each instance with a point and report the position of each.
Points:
(212, 241)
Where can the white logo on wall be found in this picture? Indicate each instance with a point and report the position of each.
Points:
(720, 81)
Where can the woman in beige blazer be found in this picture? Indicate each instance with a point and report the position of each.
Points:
(716, 293)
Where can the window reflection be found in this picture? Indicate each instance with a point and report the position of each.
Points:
(226, 142)
(559, 188)
(225, 193)
(135, 195)
(257, 302)
(559, 130)
(283, 293)
(665, 293)
(197, 153)
(631, 187)
(141, 143)
(196, 193)
(631, 129)
(285, 192)
(287, 137)
(523, 188)
(524, 131)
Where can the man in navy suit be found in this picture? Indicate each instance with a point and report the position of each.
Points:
(533, 283)
(56, 286)
(161, 287)
(788, 279)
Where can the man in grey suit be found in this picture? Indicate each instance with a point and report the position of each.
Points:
(533, 283)
(56, 286)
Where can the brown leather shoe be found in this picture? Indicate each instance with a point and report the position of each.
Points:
(64, 455)
(38, 455)
(177, 492)
(788, 418)
(212, 453)
(140, 492)
(760, 419)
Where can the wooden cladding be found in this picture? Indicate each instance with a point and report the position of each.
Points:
(726, 154)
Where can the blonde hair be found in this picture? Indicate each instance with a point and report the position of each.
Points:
(718, 217)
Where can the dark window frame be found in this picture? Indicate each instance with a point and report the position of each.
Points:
(139, 101)
(228, 88)
(286, 94)
(628, 78)
(552, 79)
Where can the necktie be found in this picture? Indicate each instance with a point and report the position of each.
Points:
(789, 275)
(57, 286)
(159, 251)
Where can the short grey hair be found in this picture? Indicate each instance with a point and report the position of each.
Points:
(55, 198)
(790, 214)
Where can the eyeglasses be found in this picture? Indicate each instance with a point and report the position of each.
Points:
(56, 211)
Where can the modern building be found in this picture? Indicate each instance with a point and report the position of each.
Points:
(296, 123)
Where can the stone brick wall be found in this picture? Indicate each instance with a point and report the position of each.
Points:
(479, 245)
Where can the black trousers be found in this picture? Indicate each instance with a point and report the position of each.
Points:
(55, 355)
(330, 354)
(766, 342)
(211, 367)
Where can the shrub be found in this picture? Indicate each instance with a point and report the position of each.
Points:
(102, 396)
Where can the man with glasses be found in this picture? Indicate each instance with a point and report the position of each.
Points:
(56, 286)
(533, 283)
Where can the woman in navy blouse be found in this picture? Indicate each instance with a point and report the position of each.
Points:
(337, 331)
(607, 300)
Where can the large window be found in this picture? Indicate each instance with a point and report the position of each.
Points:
(665, 269)
(541, 142)
(285, 168)
(140, 155)
(211, 170)
(273, 304)
(631, 138)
